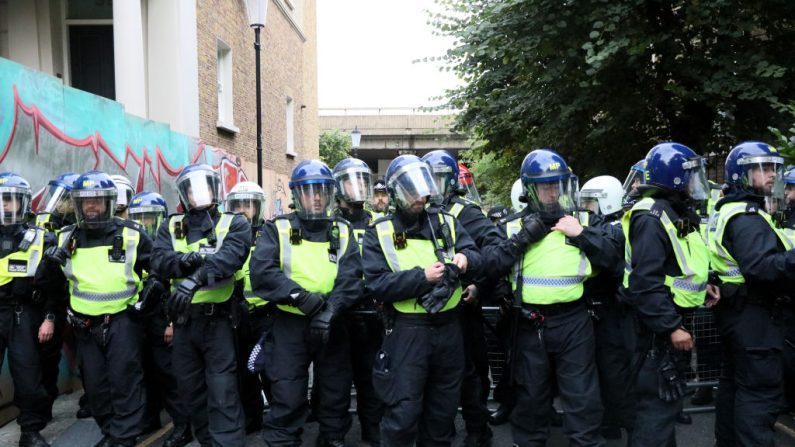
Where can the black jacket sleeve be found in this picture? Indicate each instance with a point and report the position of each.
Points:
(143, 256)
(388, 286)
(499, 258)
(53, 302)
(601, 245)
(348, 286)
(165, 261)
(268, 281)
(762, 259)
(482, 231)
(233, 253)
(466, 246)
(651, 255)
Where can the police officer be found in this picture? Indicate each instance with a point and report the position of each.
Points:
(125, 193)
(665, 278)
(454, 194)
(756, 267)
(635, 178)
(200, 252)
(353, 189)
(548, 256)
(380, 202)
(56, 211)
(248, 200)
(149, 210)
(602, 196)
(25, 321)
(103, 259)
(308, 263)
(413, 262)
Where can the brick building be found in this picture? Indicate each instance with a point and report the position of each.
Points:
(188, 64)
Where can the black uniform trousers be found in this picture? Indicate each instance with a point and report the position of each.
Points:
(655, 419)
(252, 386)
(750, 392)
(19, 328)
(368, 333)
(50, 352)
(563, 345)
(110, 358)
(204, 357)
(288, 353)
(418, 374)
(613, 330)
(161, 384)
(476, 384)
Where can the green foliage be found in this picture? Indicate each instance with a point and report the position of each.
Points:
(785, 140)
(335, 146)
(603, 81)
(494, 174)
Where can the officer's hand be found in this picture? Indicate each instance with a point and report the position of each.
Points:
(682, 340)
(460, 261)
(308, 303)
(168, 334)
(568, 225)
(46, 330)
(434, 272)
(320, 325)
(56, 255)
(713, 295)
(190, 261)
(182, 297)
(533, 230)
(470, 294)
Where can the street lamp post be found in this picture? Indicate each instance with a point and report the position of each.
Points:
(257, 13)
(356, 140)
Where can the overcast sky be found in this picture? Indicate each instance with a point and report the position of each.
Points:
(365, 54)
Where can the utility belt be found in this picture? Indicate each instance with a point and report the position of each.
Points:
(425, 319)
(84, 322)
(210, 309)
(532, 312)
(262, 311)
(738, 295)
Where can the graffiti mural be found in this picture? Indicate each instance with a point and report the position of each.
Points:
(47, 128)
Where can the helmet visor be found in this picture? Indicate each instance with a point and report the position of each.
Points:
(412, 183)
(150, 217)
(442, 177)
(590, 199)
(199, 189)
(467, 185)
(16, 202)
(552, 200)
(354, 186)
(56, 201)
(94, 208)
(633, 181)
(250, 205)
(314, 201)
(124, 195)
(764, 175)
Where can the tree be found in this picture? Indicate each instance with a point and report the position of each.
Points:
(335, 146)
(603, 81)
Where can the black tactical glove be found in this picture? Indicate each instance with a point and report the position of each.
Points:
(437, 298)
(56, 255)
(190, 261)
(181, 298)
(320, 325)
(533, 230)
(671, 383)
(308, 303)
(150, 295)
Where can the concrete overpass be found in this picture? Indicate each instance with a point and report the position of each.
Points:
(389, 132)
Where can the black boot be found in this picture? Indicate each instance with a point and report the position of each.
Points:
(322, 441)
(683, 418)
(501, 415)
(371, 434)
(32, 439)
(83, 412)
(482, 439)
(179, 437)
(106, 441)
(702, 396)
(611, 432)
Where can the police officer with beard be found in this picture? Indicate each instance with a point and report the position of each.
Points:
(756, 266)
(548, 256)
(475, 388)
(414, 261)
(308, 264)
(353, 189)
(103, 259)
(200, 252)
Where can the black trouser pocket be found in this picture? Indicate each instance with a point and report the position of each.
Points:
(762, 367)
(384, 378)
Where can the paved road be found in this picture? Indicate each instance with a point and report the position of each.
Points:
(66, 431)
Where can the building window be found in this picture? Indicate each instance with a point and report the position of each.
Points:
(225, 95)
(290, 120)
